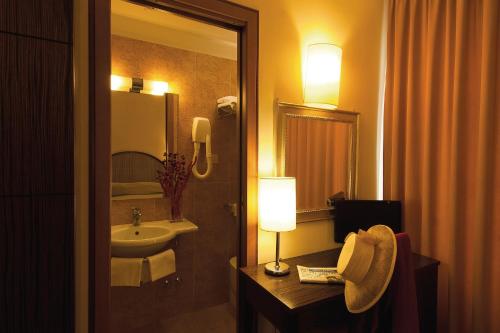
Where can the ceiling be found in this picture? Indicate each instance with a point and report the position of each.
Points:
(162, 27)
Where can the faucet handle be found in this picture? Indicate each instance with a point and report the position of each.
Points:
(136, 211)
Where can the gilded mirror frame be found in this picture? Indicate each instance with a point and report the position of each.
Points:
(285, 110)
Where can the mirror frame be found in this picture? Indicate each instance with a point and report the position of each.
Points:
(285, 110)
(129, 152)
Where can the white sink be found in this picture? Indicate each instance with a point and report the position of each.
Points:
(146, 239)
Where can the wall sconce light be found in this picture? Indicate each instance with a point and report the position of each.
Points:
(120, 83)
(157, 88)
(322, 81)
(138, 85)
(277, 212)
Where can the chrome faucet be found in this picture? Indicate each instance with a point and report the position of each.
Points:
(136, 216)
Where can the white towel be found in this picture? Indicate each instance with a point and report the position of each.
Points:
(162, 264)
(118, 189)
(228, 99)
(126, 272)
(226, 104)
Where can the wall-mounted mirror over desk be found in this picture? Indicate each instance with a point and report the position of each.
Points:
(319, 148)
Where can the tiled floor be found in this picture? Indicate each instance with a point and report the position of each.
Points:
(215, 319)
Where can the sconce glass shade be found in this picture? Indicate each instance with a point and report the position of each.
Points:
(277, 204)
(157, 88)
(322, 80)
(120, 83)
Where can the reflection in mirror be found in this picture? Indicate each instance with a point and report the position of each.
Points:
(138, 123)
(317, 154)
(135, 173)
(318, 148)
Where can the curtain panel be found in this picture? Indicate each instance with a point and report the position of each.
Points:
(442, 148)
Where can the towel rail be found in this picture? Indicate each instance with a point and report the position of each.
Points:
(173, 247)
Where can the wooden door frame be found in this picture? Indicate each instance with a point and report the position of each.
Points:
(217, 12)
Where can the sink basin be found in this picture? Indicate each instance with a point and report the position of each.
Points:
(139, 241)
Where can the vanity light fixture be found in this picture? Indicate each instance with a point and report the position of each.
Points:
(157, 88)
(138, 85)
(322, 73)
(277, 212)
(120, 83)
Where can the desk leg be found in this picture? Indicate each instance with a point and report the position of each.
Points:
(426, 281)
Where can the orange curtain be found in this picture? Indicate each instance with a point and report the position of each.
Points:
(442, 148)
(317, 155)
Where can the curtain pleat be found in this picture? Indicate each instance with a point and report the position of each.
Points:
(442, 148)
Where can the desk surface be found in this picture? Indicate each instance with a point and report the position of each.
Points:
(298, 296)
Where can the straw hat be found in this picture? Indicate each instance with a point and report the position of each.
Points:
(367, 263)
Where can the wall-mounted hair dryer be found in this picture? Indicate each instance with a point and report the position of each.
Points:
(201, 134)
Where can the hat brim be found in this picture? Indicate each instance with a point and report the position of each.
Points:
(360, 297)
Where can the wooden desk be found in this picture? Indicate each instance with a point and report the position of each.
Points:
(295, 307)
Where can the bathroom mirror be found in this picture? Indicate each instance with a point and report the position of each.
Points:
(319, 148)
(143, 129)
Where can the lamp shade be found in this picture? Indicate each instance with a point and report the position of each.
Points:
(322, 72)
(277, 207)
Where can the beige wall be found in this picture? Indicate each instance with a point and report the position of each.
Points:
(286, 28)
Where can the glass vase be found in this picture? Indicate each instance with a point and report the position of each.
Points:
(175, 208)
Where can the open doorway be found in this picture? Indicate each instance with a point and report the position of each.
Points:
(176, 165)
(240, 127)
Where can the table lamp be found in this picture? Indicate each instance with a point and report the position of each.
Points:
(277, 212)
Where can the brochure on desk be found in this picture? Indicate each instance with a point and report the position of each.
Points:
(323, 275)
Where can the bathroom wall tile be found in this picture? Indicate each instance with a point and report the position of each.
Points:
(212, 70)
(178, 297)
(211, 260)
(233, 243)
(161, 210)
(134, 309)
(209, 205)
(136, 58)
(188, 201)
(225, 146)
(212, 283)
(152, 210)
(233, 72)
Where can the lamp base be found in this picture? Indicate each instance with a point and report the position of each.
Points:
(272, 269)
